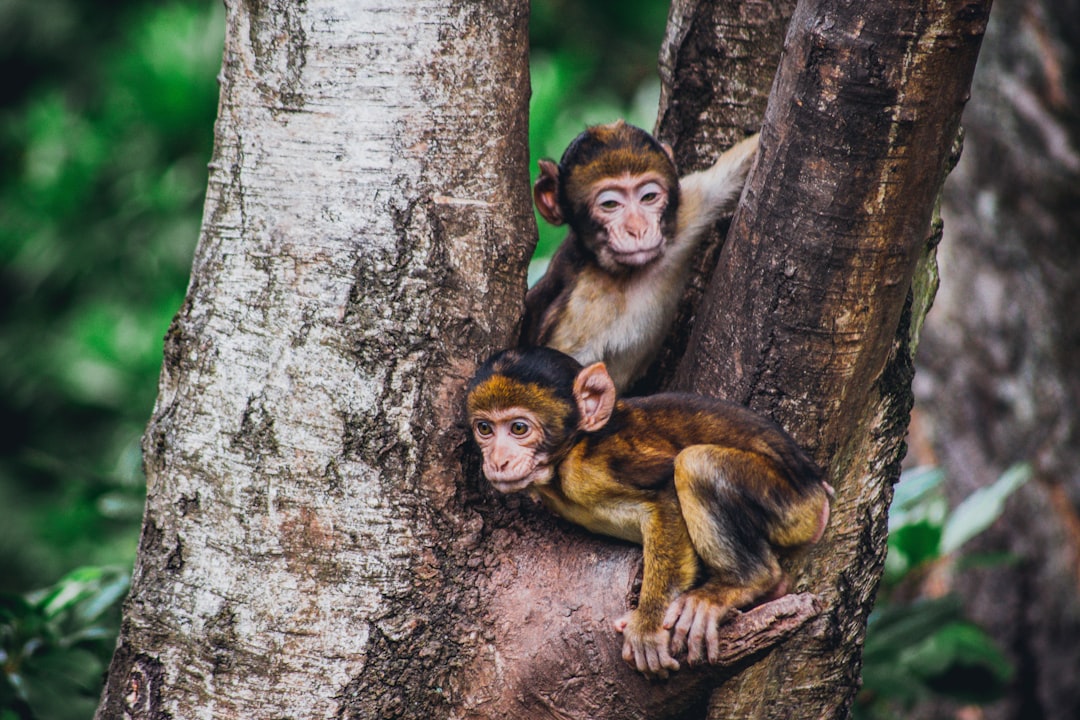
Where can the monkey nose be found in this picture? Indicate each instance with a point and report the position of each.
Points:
(636, 225)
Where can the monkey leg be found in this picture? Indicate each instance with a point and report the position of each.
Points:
(724, 495)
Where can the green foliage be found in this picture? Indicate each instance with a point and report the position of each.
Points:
(100, 200)
(55, 644)
(105, 132)
(926, 648)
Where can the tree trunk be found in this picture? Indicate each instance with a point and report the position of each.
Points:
(716, 67)
(306, 545)
(812, 314)
(999, 381)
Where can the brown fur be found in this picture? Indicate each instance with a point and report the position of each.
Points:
(587, 304)
(711, 490)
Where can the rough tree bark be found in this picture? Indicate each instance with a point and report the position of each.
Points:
(305, 545)
(812, 314)
(317, 540)
(999, 378)
(717, 63)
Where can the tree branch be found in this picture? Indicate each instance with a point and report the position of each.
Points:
(758, 630)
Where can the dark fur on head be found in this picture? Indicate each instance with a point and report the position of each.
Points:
(540, 379)
(611, 150)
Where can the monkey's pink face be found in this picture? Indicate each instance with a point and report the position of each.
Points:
(630, 212)
(510, 441)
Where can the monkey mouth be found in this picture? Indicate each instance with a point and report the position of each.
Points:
(510, 485)
(513, 480)
(638, 256)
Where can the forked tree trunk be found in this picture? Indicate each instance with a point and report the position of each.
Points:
(317, 539)
(813, 312)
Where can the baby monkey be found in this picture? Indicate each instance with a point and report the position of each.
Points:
(614, 285)
(713, 492)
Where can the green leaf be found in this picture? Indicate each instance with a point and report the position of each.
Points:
(894, 682)
(960, 643)
(914, 484)
(108, 593)
(918, 497)
(896, 628)
(917, 542)
(980, 509)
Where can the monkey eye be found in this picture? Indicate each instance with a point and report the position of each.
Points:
(650, 193)
(483, 428)
(609, 200)
(519, 427)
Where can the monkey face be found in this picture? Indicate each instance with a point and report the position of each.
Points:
(512, 441)
(628, 212)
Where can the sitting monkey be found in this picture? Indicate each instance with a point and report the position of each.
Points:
(613, 287)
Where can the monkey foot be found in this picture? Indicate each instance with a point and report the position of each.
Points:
(648, 651)
(694, 618)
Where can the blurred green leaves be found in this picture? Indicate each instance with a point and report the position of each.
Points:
(100, 202)
(105, 135)
(924, 647)
(55, 644)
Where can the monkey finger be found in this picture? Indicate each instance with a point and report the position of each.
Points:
(656, 651)
(621, 622)
(628, 653)
(696, 653)
(682, 628)
(666, 660)
(715, 616)
(655, 665)
(674, 610)
(641, 660)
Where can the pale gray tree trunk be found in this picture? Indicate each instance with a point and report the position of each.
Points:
(304, 549)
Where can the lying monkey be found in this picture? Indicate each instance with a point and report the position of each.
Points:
(711, 490)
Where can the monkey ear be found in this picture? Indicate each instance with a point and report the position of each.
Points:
(669, 151)
(546, 193)
(594, 391)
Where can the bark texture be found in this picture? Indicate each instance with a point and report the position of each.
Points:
(305, 548)
(716, 67)
(999, 377)
(812, 314)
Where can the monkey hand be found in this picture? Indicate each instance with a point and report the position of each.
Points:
(647, 649)
(695, 617)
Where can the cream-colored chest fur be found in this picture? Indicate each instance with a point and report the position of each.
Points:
(621, 321)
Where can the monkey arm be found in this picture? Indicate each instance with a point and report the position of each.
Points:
(545, 301)
(671, 567)
(708, 194)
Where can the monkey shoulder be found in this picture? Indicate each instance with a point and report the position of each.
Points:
(545, 301)
(588, 494)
